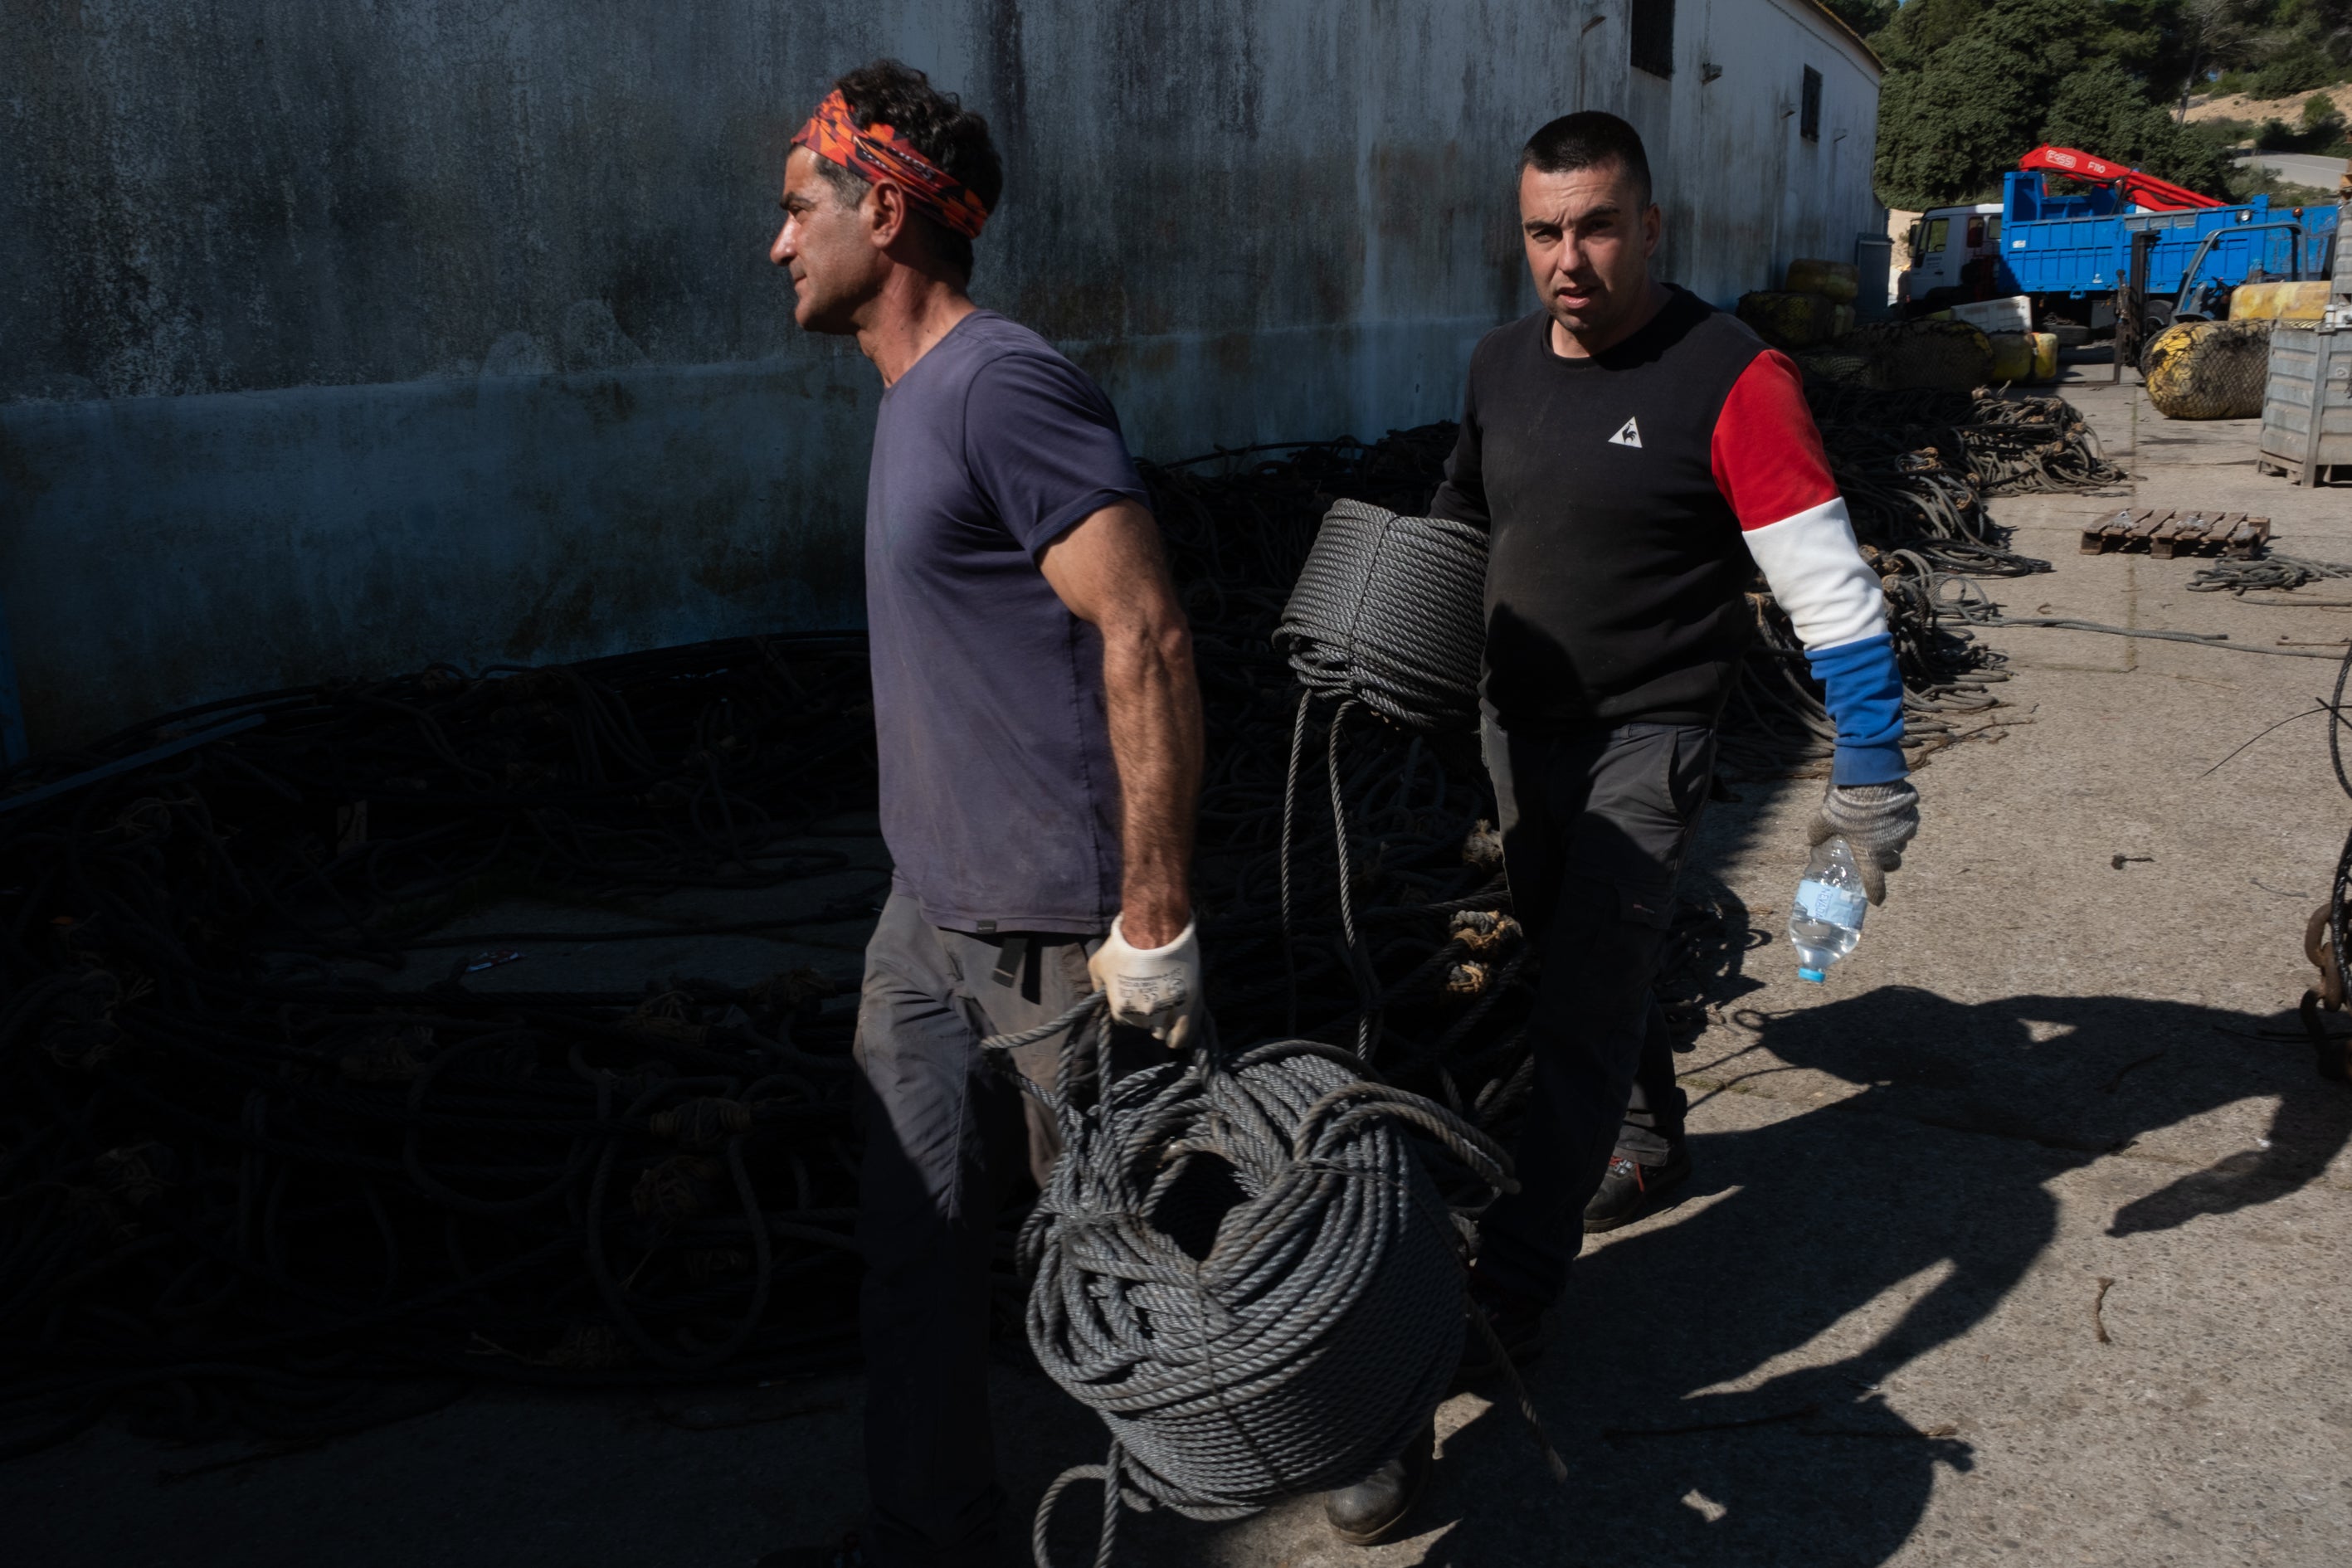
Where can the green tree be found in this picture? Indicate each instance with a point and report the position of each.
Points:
(1864, 16)
(1968, 85)
(2102, 110)
(2277, 47)
(1973, 84)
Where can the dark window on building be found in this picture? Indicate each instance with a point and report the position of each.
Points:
(1654, 37)
(1809, 121)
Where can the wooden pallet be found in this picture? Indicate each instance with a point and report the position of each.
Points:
(2164, 535)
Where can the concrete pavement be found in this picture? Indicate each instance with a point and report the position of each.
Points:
(2027, 1237)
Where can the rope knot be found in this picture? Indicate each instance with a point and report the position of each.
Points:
(703, 1122)
(1483, 931)
(1467, 979)
(677, 1189)
(666, 1016)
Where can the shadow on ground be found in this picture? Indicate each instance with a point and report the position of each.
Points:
(1914, 1208)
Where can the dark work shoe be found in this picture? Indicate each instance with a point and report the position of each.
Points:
(1517, 1323)
(1632, 1191)
(1374, 1509)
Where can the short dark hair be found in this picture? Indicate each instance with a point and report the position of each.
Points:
(1584, 141)
(941, 128)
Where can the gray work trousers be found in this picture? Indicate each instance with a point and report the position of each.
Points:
(945, 1136)
(1595, 823)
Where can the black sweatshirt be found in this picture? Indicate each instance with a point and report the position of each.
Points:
(1628, 498)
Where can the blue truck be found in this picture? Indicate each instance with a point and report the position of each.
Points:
(2072, 253)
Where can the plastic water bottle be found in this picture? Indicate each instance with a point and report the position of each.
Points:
(1825, 917)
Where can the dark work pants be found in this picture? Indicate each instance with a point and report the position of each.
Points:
(945, 1135)
(1595, 823)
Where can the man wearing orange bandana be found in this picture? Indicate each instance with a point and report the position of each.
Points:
(1038, 729)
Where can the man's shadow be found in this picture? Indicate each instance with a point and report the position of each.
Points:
(1882, 1227)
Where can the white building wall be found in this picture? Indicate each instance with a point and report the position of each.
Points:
(1744, 192)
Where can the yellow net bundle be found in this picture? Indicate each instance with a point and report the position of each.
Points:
(2209, 370)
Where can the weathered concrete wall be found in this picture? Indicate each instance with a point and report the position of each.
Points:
(1745, 192)
(337, 338)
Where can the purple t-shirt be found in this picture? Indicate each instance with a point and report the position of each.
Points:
(1000, 803)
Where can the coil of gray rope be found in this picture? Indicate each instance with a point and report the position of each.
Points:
(1391, 611)
(1242, 1267)
(1388, 612)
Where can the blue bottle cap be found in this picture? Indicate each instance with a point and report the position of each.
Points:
(1814, 975)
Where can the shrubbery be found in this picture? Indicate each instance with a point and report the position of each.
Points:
(1973, 84)
(2320, 129)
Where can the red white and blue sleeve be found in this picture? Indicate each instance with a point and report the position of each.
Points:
(1770, 466)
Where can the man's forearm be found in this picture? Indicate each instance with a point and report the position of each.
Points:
(1154, 702)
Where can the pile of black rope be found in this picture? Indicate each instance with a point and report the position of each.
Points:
(242, 1184)
(1916, 468)
(267, 1152)
(2269, 573)
(1999, 444)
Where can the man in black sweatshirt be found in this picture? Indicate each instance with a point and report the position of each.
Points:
(1635, 455)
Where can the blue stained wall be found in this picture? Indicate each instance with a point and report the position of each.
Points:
(335, 339)
(294, 534)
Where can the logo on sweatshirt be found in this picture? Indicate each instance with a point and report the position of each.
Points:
(1629, 437)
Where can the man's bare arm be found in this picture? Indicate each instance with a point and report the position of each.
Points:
(1112, 572)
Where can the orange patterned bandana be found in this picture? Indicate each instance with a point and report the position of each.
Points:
(832, 134)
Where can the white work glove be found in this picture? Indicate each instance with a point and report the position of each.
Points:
(1157, 988)
(1876, 821)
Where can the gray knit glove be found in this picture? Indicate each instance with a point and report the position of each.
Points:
(1876, 821)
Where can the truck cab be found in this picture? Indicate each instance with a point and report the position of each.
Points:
(1943, 243)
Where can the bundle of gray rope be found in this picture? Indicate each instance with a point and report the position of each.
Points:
(2272, 573)
(1241, 1266)
(1391, 611)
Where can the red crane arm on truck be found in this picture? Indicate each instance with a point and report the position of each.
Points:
(2144, 190)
